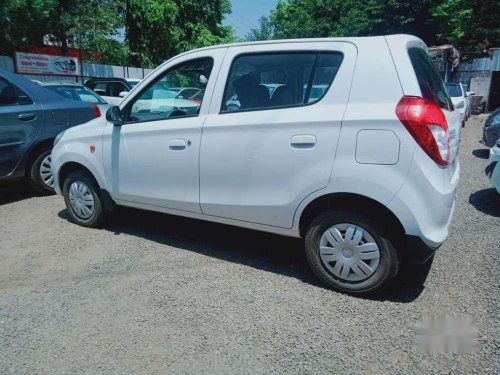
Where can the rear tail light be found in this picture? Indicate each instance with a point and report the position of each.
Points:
(97, 111)
(427, 124)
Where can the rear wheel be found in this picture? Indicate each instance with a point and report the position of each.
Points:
(350, 253)
(40, 176)
(82, 198)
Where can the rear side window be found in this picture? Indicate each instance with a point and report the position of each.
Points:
(7, 94)
(279, 80)
(431, 84)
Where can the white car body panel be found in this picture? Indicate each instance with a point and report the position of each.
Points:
(241, 168)
(495, 174)
(249, 186)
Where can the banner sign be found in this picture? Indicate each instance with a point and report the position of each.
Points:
(34, 63)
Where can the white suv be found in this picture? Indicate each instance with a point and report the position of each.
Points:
(366, 172)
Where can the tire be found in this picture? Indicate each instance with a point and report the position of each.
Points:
(463, 124)
(41, 182)
(79, 189)
(359, 282)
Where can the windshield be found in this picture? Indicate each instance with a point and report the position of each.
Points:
(453, 90)
(132, 83)
(79, 93)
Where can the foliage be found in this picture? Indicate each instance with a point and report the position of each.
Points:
(264, 32)
(159, 29)
(147, 32)
(154, 29)
(470, 25)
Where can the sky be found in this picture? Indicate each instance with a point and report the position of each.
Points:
(246, 14)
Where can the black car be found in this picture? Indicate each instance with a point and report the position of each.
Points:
(111, 88)
(31, 116)
(491, 129)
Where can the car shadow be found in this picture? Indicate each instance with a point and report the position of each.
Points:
(14, 191)
(264, 251)
(481, 153)
(486, 201)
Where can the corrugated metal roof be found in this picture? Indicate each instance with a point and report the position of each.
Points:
(476, 65)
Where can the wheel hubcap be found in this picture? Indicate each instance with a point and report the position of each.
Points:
(46, 173)
(81, 199)
(349, 252)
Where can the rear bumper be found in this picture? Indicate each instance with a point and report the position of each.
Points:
(416, 251)
(425, 204)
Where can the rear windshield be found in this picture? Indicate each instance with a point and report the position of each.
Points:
(431, 84)
(453, 89)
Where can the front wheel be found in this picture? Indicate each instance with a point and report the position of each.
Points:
(349, 253)
(82, 198)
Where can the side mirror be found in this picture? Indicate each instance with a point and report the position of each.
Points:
(469, 93)
(114, 115)
(123, 94)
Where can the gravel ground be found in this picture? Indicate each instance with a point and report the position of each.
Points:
(151, 294)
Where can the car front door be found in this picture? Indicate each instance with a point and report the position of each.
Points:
(152, 160)
(264, 153)
(20, 121)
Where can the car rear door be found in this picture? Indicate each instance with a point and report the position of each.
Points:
(262, 156)
(21, 119)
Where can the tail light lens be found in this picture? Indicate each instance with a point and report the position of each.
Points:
(97, 111)
(427, 124)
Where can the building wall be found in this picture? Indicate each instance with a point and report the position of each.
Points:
(89, 70)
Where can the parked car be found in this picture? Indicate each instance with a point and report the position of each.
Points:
(111, 89)
(468, 97)
(367, 173)
(31, 116)
(493, 169)
(459, 99)
(491, 129)
(74, 91)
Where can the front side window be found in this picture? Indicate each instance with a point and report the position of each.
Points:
(115, 88)
(8, 95)
(161, 100)
(101, 88)
(278, 80)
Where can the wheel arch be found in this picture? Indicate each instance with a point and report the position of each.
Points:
(36, 149)
(69, 167)
(362, 203)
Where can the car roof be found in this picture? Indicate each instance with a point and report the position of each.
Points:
(99, 79)
(62, 83)
(398, 38)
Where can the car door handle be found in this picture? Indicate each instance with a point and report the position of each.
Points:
(177, 144)
(27, 116)
(303, 141)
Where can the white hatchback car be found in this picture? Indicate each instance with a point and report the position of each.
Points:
(493, 168)
(366, 172)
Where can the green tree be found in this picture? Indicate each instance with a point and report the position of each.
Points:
(472, 26)
(90, 25)
(23, 23)
(159, 29)
(323, 18)
(264, 32)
